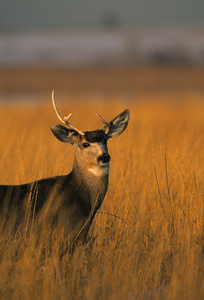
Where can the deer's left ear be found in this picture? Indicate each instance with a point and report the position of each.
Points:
(119, 124)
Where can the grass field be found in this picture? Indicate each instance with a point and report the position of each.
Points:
(147, 239)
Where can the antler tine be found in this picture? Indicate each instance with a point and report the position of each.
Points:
(106, 123)
(65, 119)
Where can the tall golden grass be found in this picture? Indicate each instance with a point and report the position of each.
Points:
(147, 240)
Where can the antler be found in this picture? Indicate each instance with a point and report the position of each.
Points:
(106, 123)
(65, 119)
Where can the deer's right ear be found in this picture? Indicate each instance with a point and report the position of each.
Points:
(64, 134)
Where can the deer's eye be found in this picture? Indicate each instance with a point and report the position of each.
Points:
(86, 145)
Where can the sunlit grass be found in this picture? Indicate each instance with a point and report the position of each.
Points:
(147, 240)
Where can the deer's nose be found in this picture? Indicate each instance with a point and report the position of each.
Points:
(104, 158)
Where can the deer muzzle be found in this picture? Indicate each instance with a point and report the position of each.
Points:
(104, 159)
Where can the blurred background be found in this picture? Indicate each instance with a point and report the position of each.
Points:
(97, 48)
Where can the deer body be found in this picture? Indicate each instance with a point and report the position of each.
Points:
(66, 203)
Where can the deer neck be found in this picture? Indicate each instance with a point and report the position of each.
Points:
(92, 185)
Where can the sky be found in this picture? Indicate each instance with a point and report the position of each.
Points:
(28, 14)
(163, 31)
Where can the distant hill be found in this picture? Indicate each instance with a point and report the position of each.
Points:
(102, 47)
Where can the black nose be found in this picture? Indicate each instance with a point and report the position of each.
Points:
(105, 158)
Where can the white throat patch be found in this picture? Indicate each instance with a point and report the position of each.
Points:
(100, 170)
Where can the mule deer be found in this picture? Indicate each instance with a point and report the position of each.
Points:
(68, 203)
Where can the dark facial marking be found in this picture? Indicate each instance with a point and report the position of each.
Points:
(95, 136)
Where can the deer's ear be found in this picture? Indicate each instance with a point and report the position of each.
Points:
(119, 124)
(65, 135)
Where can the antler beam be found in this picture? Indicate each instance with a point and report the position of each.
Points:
(106, 123)
(65, 119)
